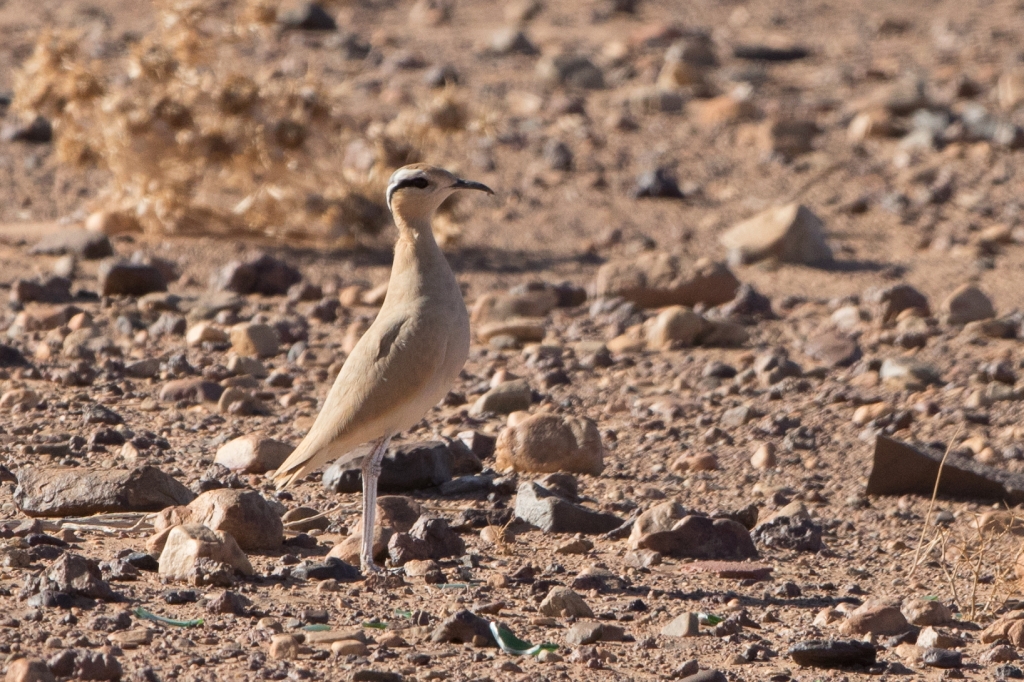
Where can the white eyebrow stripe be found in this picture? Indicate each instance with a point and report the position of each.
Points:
(397, 178)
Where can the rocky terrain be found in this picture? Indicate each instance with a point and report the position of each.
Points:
(751, 280)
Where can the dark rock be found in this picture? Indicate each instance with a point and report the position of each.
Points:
(575, 71)
(105, 623)
(558, 155)
(229, 602)
(262, 275)
(75, 491)
(440, 538)
(11, 357)
(405, 467)
(118, 278)
(75, 575)
(749, 303)
(699, 537)
(87, 665)
(310, 16)
(168, 324)
(370, 675)
(833, 653)
(891, 301)
(544, 509)
(706, 676)
(764, 53)
(100, 414)
(143, 561)
(81, 243)
(900, 468)
(462, 627)
(175, 597)
(331, 569)
(942, 658)
(466, 485)
(51, 290)
(403, 548)
(784, 532)
(832, 349)
(38, 130)
(657, 183)
(191, 390)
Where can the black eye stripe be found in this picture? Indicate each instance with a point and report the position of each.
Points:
(418, 182)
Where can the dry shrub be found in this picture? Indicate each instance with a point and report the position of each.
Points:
(982, 564)
(198, 137)
(979, 563)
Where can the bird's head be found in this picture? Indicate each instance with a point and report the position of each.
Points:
(416, 191)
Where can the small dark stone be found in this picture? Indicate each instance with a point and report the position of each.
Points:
(367, 675)
(764, 53)
(789, 533)
(229, 602)
(130, 279)
(942, 658)
(658, 183)
(39, 131)
(332, 568)
(1009, 672)
(11, 357)
(462, 626)
(309, 17)
(180, 596)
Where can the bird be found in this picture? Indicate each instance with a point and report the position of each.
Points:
(407, 360)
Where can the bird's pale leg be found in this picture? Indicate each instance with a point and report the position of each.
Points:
(371, 472)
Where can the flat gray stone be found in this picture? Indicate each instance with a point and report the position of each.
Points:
(540, 507)
(79, 491)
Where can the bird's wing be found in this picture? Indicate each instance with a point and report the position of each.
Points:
(391, 366)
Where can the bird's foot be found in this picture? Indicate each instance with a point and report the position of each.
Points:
(377, 577)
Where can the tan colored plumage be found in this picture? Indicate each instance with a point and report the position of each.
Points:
(408, 359)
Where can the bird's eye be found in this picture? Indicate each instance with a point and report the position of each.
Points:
(420, 183)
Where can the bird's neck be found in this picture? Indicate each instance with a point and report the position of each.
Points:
(417, 255)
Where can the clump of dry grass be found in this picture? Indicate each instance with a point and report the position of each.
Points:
(198, 137)
(981, 561)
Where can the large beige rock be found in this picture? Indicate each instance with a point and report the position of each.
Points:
(259, 340)
(675, 326)
(498, 307)
(29, 670)
(187, 544)
(1009, 626)
(876, 618)
(966, 304)
(924, 612)
(395, 514)
(243, 513)
(655, 280)
(545, 443)
(659, 518)
(561, 601)
(790, 234)
(253, 453)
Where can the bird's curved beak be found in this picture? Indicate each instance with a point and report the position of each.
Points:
(469, 184)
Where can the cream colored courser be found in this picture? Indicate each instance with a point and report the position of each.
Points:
(409, 357)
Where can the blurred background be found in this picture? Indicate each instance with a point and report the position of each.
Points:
(605, 125)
